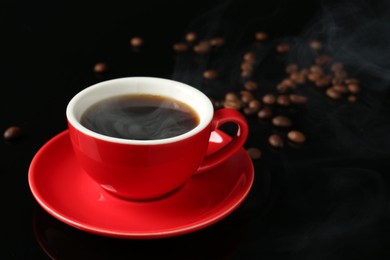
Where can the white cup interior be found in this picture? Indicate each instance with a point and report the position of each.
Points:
(140, 85)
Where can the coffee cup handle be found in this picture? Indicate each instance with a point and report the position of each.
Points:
(222, 116)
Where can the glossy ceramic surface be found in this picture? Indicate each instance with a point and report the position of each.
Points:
(63, 189)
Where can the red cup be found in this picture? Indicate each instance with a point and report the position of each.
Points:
(148, 169)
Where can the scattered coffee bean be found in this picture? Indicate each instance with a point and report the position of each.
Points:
(353, 88)
(323, 59)
(332, 93)
(316, 45)
(291, 68)
(337, 66)
(340, 88)
(100, 67)
(210, 74)
(12, 133)
(297, 99)
(296, 136)
(136, 42)
(283, 47)
(246, 96)
(281, 121)
(275, 141)
(180, 47)
(250, 85)
(264, 113)
(249, 57)
(283, 100)
(217, 41)
(261, 36)
(254, 153)
(351, 81)
(352, 98)
(269, 99)
(202, 47)
(191, 37)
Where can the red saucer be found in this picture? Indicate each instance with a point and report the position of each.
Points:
(67, 193)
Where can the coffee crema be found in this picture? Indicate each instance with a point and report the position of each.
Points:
(140, 117)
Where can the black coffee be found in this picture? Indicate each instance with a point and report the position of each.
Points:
(140, 117)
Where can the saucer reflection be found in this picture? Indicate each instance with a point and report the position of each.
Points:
(60, 241)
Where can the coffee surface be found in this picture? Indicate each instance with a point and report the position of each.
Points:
(140, 117)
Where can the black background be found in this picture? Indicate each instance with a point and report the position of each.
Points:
(327, 199)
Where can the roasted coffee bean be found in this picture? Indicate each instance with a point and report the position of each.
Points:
(283, 47)
(191, 37)
(317, 69)
(340, 74)
(323, 59)
(246, 74)
(250, 85)
(100, 67)
(323, 81)
(246, 96)
(269, 99)
(136, 42)
(351, 81)
(313, 77)
(217, 41)
(296, 136)
(180, 47)
(264, 113)
(210, 74)
(202, 47)
(333, 94)
(249, 57)
(246, 66)
(297, 99)
(234, 104)
(289, 83)
(353, 88)
(261, 36)
(283, 100)
(352, 98)
(281, 121)
(254, 153)
(12, 133)
(316, 45)
(291, 68)
(275, 141)
(340, 88)
(337, 66)
(230, 96)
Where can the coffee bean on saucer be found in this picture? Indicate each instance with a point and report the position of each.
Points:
(296, 136)
(332, 93)
(275, 141)
(12, 133)
(281, 121)
(254, 153)
(100, 67)
(136, 42)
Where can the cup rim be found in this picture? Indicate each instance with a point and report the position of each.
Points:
(205, 118)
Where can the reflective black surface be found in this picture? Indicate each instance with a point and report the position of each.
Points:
(325, 199)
